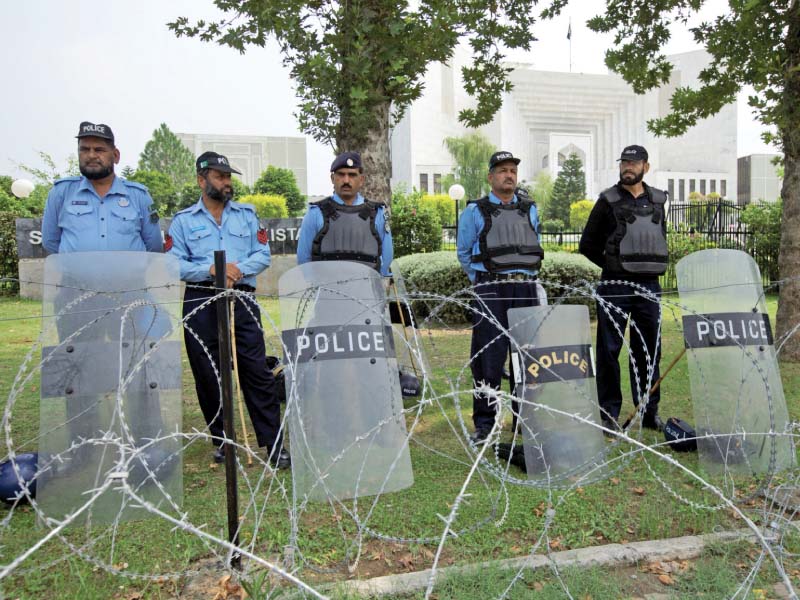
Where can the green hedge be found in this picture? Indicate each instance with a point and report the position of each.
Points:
(440, 273)
(415, 224)
(9, 267)
(268, 206)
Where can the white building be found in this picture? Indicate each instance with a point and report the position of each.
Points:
(758, 178)
(252, 154)
(548, 115)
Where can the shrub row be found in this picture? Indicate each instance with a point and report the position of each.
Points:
(439, 274)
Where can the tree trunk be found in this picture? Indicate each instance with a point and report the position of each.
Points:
(375, 155)
(789, 261)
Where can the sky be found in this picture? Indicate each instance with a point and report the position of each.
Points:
(116, 62)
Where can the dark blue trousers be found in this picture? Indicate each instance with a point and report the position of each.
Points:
(490, 349)
(256, 381)
(645, 346)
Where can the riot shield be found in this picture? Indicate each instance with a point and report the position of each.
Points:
(347, 430)
(737, 394)
(552, 358)
(111, 385)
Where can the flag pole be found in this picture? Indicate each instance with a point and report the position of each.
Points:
(569, 37)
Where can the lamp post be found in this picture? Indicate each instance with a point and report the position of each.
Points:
(22, 188)
(456, 192)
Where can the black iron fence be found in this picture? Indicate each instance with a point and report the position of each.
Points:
(692, 227)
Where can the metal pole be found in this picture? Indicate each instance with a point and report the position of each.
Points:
(224, 336)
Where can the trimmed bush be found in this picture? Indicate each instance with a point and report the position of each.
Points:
(8, 246)
(579, 214)
(552, 225)
(445, 207)
(267, 206)
(435, 273)
(440, 273)
(415, 224)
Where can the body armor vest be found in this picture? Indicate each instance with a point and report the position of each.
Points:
(508, 240)
(348, 233)
(638, 244)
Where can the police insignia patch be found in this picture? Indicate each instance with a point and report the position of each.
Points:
(167, 243)
(263, 238)
(154, 217)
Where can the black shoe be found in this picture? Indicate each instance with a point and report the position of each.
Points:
(653, 422)
(609, 423)
(219, 454)
(282, 460)
(479, 437)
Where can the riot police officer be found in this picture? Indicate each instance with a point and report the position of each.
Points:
(97, 212)
(346, 226)
(498, 247)
(216, 222)
(626, 237)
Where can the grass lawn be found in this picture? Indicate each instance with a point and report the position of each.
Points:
(643, 498)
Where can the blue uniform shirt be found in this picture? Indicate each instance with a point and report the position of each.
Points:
(313, 222)
(76, 219)
(470, 225)
(196, 235)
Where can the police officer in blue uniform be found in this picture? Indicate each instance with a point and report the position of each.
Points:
(626, 237)
(346, 226)
(99, 211)
(498, 247)
(216, 222)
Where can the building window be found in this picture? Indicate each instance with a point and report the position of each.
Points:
(692, 184)
(437, 183)
(671, 187)
(545, 161)
(713, 186)
(723, 187)
(702, 187)
(423, 182)
(682, 190)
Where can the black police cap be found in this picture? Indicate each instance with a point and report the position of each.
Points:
(633, 153)
(100, 130)
(346, 160)
(501, 157)
(212, 160)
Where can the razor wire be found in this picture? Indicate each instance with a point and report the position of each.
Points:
(297, 565)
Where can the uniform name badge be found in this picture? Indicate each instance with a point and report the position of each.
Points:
(123, 202)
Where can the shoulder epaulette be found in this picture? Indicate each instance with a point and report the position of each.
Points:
(135, 184)
(64, 179)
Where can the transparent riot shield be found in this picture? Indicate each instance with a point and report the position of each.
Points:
(553, 361)
(347, 430)
(111, 386)
(739, 406)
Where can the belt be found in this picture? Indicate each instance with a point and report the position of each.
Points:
(481, 276)
(210, 284)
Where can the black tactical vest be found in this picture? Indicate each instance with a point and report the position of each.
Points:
(638, 244)
(348, 233)
(508, 240)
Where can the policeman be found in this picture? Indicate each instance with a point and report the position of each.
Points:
(346, 226)
(626, 237)
(99, 211)
(498, 247)
(215, 222)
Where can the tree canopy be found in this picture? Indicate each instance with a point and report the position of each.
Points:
(471, 154)
(570, 186)
(278, 181)
(358, 65)
(165, 153)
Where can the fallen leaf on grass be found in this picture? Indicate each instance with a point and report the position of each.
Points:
(639, 491)
(536, 585)
(614, 480)
(121, 566)
(666, 579)
(427, 554)
(555, 544)
(406, 561)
